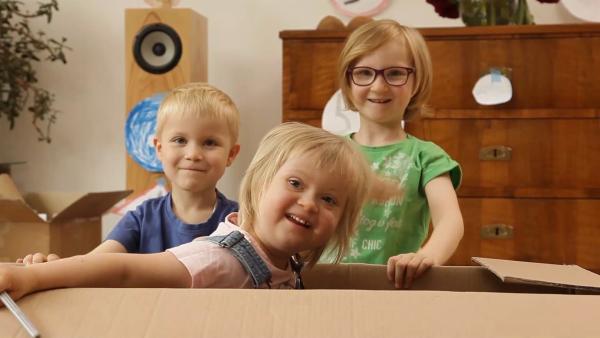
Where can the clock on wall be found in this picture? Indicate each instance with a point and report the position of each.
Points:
(354, 8)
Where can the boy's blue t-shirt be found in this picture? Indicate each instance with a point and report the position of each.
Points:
(154, 227)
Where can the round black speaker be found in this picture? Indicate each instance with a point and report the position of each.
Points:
(157, 48)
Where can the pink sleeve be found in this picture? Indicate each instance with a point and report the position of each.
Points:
(211, 266)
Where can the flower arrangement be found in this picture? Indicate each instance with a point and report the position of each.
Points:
(486, 12)
(445, 8)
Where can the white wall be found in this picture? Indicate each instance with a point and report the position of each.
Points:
(87, 152)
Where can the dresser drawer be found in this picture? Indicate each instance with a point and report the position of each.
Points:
(550, 66)
(553, 70)
(560, 231)
(521, 157)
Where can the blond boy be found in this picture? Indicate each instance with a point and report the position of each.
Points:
(196, 139)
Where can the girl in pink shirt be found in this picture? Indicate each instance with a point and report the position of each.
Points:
(302, 192)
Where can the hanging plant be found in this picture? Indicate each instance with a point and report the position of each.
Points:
(20, 50)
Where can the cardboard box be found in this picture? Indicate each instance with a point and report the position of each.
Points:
(479, 305)
(6, 166)
(492, 275)
(63, 223)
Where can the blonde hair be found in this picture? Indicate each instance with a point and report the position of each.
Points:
(199, 100)
(369, 37)
(332, 152)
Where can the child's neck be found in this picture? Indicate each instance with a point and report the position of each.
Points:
(277, 258)
(374, 135)
(193, 208)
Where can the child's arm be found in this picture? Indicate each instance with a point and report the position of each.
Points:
(447, 232)
(108, 246)
(100, 270)
(448, 227)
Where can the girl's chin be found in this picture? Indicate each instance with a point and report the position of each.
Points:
(291, 247)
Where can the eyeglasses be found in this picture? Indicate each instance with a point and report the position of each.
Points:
(394, 76)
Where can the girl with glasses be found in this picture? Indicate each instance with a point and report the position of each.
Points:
(385, 75)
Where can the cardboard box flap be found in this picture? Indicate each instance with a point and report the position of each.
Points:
(16, 211)
(91, 205)
(51, 203)
(8, 189)
(563, 276)
(360, 276)
(357, 276)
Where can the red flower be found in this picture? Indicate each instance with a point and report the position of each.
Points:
(445, 8)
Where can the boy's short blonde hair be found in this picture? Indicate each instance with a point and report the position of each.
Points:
(199, 100)
(369, 37)
(332, 152)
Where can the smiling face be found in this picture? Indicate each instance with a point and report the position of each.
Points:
(194, 152)
(379, 102)
(300, 209)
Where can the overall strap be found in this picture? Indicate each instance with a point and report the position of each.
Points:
(244, 252)
(297, 264)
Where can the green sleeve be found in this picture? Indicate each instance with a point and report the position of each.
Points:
(435, 162)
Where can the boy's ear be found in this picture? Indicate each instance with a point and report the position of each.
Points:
(233, 152)
(157, 145)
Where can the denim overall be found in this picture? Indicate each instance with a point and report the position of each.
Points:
(251, 261)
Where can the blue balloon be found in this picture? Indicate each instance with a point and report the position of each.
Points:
(140, 129)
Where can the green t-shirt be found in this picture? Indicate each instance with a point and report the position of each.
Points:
(388, 228)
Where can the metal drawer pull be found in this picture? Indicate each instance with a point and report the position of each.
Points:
(497, 231)
(495, 153)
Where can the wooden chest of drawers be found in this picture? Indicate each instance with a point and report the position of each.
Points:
(531, 184)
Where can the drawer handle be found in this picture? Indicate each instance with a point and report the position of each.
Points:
(495, 153)
(497, 231)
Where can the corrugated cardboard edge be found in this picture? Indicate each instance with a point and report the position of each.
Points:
(562, 276)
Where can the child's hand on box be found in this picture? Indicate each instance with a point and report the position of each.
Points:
(403, 269)
(15, 280)
(37, 258)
